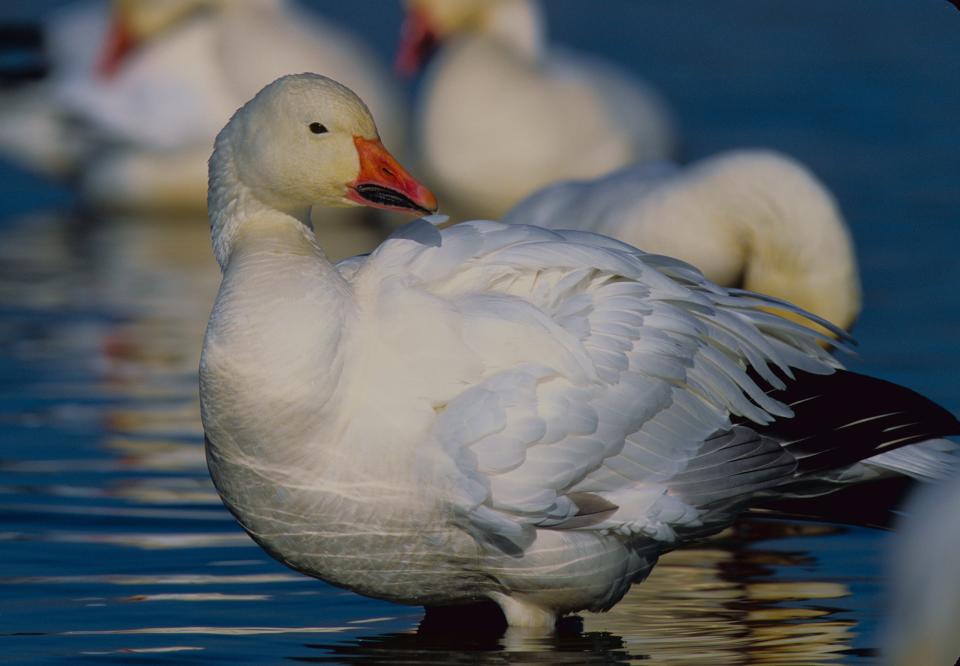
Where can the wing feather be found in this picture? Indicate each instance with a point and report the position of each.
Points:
(609, 375)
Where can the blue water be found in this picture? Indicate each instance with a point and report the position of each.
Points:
(114, 547)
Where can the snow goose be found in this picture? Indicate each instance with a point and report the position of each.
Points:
(923, 605)
(751, 218)
(490, 411)
(155, 81)
(35, 132)
(501, 115)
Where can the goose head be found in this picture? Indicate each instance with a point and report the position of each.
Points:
(302, 141)
(135, 22)
(429, 23)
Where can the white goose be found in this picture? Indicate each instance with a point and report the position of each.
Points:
(491, 411)
(35, 132)
(501, 115)
(751, 218)
(158, 79)
(923, 600)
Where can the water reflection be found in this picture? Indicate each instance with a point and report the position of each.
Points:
(175, 579)
(148, 541)
(713, 604)
(565, 647)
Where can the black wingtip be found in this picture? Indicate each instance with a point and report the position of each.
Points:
(873, 504)
(844, 417)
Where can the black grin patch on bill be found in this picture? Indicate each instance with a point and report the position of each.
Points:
(384, 196)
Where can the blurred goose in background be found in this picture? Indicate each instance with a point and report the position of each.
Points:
(923, 603)
(491, 411)
(36, 131)
(751, 218)
(501, 114)
(163, 77)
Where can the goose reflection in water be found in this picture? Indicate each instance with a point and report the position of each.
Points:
(714, 604)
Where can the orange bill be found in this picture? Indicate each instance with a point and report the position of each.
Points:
(119, 43)
(383, 183)
(417, 42)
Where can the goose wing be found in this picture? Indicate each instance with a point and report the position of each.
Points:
(590, 385)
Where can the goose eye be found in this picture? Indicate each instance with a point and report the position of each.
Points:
(318, 128)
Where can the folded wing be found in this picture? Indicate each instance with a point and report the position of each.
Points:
(620, 392)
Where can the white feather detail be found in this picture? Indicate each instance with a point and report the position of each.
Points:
(605, 369)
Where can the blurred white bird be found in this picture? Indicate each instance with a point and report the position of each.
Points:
(923, 618)
(501, 114)
(496, 412)
(751, 218)
(36, 131)
(154, 80)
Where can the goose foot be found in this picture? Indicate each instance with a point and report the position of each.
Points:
(521, 613)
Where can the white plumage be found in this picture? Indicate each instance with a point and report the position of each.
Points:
(923, 600)
(501, 114)
(751, 218)
(490, 411)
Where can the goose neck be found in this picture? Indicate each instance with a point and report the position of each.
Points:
(236, 212)
(519, 25)
(796, 244)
